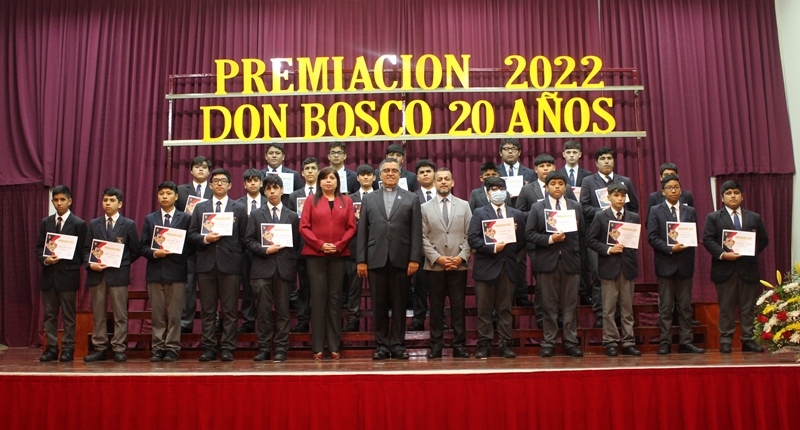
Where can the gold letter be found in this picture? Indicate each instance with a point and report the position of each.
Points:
(360, 76)
(544, 108)
(226, 121)
(568, 117)
(316, 75)
(313, 119)
(405, 64)
(425, 117)
(333, 123)
(278, 74)
(519, 118)
(238, 122)
(367, 118)
(385, 126)
(602, 113)
(251, 77)
(271, 117)
(222, 76)
(337, 74)
(379, 73)
(461, 70)
(436, 72)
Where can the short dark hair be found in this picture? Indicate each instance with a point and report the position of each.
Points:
(200, 160)
(253, 173)
(424, 163)
(617, 187)
(395, 148)
(342, 145)
(668, 178)
(168, 185)
(276, 145)
(269, 180)
(543, 158)
(731, 185)
(572, 144)
(113, 192)
(603, 151)
(667, 166)
(221, 171)
(310, 160)
(555, 174)
(494, 181)
(510, 141)
(365, 169)
(489, 165)
(62, 189)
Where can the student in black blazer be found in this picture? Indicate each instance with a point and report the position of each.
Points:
(337, 154)
(674, 265)
(219, 267)
(275, 155)
(736, 277)
(252, 201)
(556, 260)
(390, 252)
(494, 270)
(110, 281)
(166, 275)
(274, 271)
(354, 283)
(60, 277)
(510, 151)
(618, 268)
(657, 197)
(572, 154)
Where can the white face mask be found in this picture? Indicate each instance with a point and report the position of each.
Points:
(497, 197)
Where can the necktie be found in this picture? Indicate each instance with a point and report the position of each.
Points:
(166, 220)
(445, 212)
(558, 205)
(274, 171)
(428, 196)
(608, 179)
(499, 213)
(275, 217)
(619, 216)
(252, 206)
(310, 191)
(674, 215)
(571, 177)
(544, 192)
(736, 222)
(510, 170)
(198, 191)
(219, 207)
(58, 224)
(109, 226)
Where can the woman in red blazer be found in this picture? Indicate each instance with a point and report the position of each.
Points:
(328, 224)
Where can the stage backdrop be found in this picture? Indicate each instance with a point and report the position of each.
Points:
(83, 84)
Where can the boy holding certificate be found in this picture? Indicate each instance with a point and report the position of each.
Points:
(617, 268)
(274, 269)
(105, 278)
(166, 271)
(60, 274)
(674, 262)
(735, 275)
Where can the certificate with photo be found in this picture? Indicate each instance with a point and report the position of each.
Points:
(217, 222)
(108, 253)
(514, 184)
(357, 210)
(276, 234)
(602, 198)
(740, 242)
(300, 202)
(683, 233)
(499, 230)
(560, 221)
(625, 233)
(168, 239)
(288, 181)
(60, 245)
(191, 202)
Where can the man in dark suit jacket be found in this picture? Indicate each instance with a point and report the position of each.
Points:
(273, 272)
(390, 251)
(556, 260)
(219, 267)
(572, 154)
(618, 268)
(165, 275)
(657, 197)
(354, 283)
(110, 281)
(736, 276)
(252, 200)
(674, 267)
(275, 155)
(60, 277)
(510, 151)
(494, 270)
(397, 152)
(337, 154)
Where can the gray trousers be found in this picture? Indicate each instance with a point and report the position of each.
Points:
(733, 293)
(325, 275)
(559, 289)
(166, 302)
(613, 290)
(675, 291)
(217, 287)
(119, 305)
(498, 296)
(269, 292)
(52, 301)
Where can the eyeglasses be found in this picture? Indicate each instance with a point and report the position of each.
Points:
(336, 153)
(219, 181)
(673, 188)
(395, 171)
(510, 149)
(497, 189)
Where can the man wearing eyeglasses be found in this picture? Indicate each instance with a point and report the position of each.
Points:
(337, 153)
(510, 151)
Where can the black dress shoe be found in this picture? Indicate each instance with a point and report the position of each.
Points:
(750, 346)
(380, 355)
(67, 355)
(186, 330)
(50, 354)
(96, 356)
(300, 328)
(547, 351)
(262, 355)
(665, 349)
(416, 326)
(226, 355)
(435, 352)
(523, 302)
(690, 349)
(725, 348)
(631, 350)
(247, 328)
(611, 351)
(586, 301)
(352, 326)
(506, 352)
(400, 355)
(280, 356)
(120, 357)
(598, 323)
(208, 355)
(483, 352)
(460, 352)
(574, 351)
(170, 356)
(157, 356)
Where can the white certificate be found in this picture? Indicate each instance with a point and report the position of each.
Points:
(60, 245)
(191, 202)
(217, 222)
(514, 184)
(288, 181)
(300, 202)
(276, 234)
(108, 253)
(499, 230)
(684, 233)
(403, 183)
(577, 191)
(560, 221)
(168, 239)
(740, 242)
(602, 198)
(626, 233)
(357, 210)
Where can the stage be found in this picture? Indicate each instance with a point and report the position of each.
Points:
(679, 391)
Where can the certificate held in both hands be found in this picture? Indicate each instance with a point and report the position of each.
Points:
(499, 231)
(60, 245)
(168, 239)
(276, 234)
(624, 233)
(108, 253)
(683, 233)
(560, 221)
(740, 242)
(218, 222)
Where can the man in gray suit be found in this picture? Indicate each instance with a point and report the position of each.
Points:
(390, 251)
(445, 224)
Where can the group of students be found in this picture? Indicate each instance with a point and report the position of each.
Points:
(404, 232)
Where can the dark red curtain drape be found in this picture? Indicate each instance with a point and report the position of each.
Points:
(83, 84)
